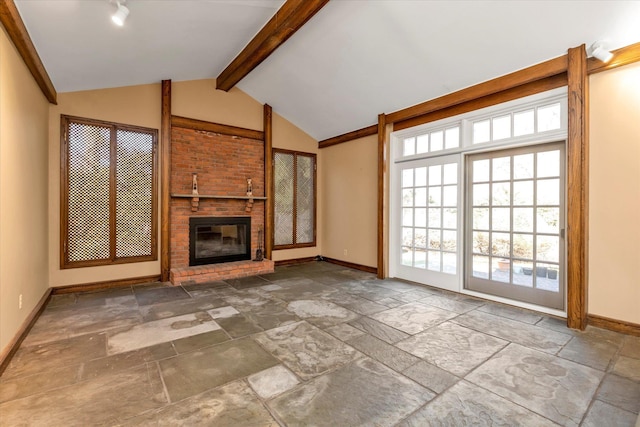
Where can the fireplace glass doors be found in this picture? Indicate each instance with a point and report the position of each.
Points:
(219, 239)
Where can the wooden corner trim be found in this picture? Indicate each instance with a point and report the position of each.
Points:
(269, 206)
(287, 20)
(349, 136)
(577, 234)
(623, 56)
(540, 71)
(348, 264)
(187, 123)
(21, 334)
(382, 169)
(12, 22)
(628, 328)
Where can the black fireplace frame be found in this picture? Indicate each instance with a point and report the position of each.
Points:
(218, 220)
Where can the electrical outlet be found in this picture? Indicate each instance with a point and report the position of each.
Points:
(20, 302)
(345, 252)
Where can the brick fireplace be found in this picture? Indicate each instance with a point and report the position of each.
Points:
(223, 164)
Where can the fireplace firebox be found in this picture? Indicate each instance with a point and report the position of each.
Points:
(214, 240)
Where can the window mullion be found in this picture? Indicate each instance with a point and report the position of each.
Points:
(112, 192)
(295, 199)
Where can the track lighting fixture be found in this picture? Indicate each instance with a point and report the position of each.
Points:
(121, 14)
(599, 52)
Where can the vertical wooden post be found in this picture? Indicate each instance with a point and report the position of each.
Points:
(577, 234)
(165, 214)
(268, 181)
(382, 124)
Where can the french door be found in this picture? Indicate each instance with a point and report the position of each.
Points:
(426, 247)
(514, 224)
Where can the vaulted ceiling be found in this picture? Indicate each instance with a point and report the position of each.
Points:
(353, 60)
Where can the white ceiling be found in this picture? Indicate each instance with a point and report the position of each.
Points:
(353, 60)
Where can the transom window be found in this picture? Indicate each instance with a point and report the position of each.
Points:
(430, 142)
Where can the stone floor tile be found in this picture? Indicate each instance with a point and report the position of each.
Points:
(238, 326)
(159, 295)
(414, 295)
(279, 275)
(602, 414)
(621, 392)
(448, 303)
(465, 404)
(355, 303)
(54, 326)
(321, 313)
(344, 332)
(106, 400)
(30, 360)
(452, 347)
(247, 282)
(179, 307)
(357, 274)
(511, 330)
(390, 302)
(379, 330)
(192, 373)
(362, 393)
(513, 313)
(17, 388)
(159, 331)
(397, 285)
(413, 317)
(196, 342)
(379, 350)
(627, 367)
(301, 288)
(61, 300)
(553, 387)
(305, 349)
(269, 316)
(431, 376)
(123, 361)
(223, 312)
(232, 405)
(584, 349)
(631, 347)
(273, 381)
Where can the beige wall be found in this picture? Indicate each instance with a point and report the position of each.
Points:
(23, 192)
(349, 201)
(614, 198)
(140, 105)
(134, 105)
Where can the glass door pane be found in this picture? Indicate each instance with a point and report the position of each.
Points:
(428, 222)
(515, 217)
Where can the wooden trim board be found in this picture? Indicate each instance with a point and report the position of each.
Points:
(187, 123)
(623, 56)
(382, 129)
(348, 264)
(107, 284)
(165, 174)
(294, 261)
(269, 206)
(614, 325)
(349, 136)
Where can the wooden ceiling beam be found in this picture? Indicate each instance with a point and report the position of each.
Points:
(13, 24)
(288, 19)
(540, 71)
(349, 136)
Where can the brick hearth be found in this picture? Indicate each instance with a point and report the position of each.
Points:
(224, 271)
(223, 164)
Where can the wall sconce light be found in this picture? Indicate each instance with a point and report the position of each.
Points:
(121, 14)
(599, 52)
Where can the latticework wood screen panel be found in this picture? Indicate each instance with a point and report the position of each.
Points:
(89, 192)
(294, 204)
(134, 198)
(108, 194)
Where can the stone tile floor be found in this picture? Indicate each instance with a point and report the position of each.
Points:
(313, 344)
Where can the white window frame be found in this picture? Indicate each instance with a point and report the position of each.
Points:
(465, 121)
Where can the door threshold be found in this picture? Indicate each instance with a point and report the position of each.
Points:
(520, 304)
